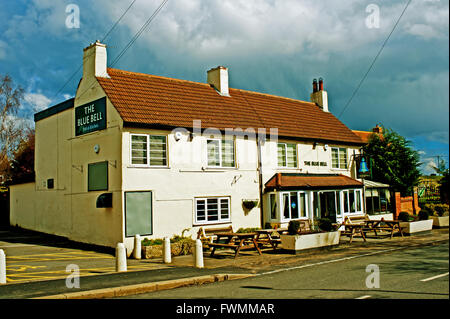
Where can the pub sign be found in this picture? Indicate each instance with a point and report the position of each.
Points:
(90, 117)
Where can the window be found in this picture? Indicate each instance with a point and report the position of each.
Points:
(339, 158)
(377, 201)
(138, 213)
(98, 176)
(212, 210)
(148, 150)
(273, 206)
(287, 155)
(294, 205)
(352, 200)
(220, 152)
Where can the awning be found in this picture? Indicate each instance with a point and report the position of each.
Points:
(372, 184)
(282, 181)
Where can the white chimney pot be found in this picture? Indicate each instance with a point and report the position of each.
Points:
(218, 77)
(95, 61)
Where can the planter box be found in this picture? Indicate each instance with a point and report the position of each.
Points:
(296, 243)
(388, 216)
(420, 226)
(177, 249)
(439, 222)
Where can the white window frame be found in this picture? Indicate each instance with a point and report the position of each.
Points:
(346, 210)
(285, 144)
(220, 220)
(281, 210)
(148, 150)
(220, 140)
(339, 158)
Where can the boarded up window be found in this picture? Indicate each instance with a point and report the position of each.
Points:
(98, 176)
(138, 213)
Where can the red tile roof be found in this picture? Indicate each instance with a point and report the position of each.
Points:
(308, 181)
(143, 99)
(363, 135)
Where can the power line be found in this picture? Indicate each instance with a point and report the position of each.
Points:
(138, 34)
(374, 60)
(103, 39)
(132, 41)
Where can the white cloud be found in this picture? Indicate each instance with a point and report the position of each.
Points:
(37, 101)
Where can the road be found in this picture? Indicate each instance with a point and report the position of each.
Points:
(407, 274)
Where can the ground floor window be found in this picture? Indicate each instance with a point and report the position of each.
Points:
(331, 204)
(212, 210)
(294, 205)
(138, 213)
(378, 201)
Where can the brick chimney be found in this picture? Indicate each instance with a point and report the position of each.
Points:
(218, 78)
(377, 129)
(319, 95)
(95, 60)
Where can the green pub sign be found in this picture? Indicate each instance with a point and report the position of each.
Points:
(90, 117)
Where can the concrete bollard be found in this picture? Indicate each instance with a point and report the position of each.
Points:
(2, 267)
(121, 258)
(198, 254)
(137, 247)
(167, 253)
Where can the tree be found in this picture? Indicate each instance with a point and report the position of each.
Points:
(11, 129)
(21, 168)
(394, 161)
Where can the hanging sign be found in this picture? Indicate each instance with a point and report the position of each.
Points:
(90, 117)
(363, 167)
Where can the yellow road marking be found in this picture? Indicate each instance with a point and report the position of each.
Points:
(22, 267)
(39, 275)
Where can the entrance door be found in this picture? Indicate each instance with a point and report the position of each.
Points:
(138, 213)
(324, 205)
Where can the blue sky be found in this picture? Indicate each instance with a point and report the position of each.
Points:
(270, 46)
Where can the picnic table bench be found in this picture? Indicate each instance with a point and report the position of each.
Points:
(236, 241)
(266, 236)
(208, 235)
(389, 226)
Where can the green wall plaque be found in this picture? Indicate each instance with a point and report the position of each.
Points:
(90, 117)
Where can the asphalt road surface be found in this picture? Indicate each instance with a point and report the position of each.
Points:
(407, 274)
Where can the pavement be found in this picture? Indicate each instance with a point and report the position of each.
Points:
(37, 265)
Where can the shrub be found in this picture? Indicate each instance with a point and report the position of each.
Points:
(294, 227)
(423, 215)
(403, 216)
(325, 224)
(429, 209)
(441, 209)
(152, 242)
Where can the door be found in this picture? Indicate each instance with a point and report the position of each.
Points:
(324, 205)
(138, 213)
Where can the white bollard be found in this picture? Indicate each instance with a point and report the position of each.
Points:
(137, 247)
(2, 267)
(167, 251)
(121, 258)
(198, 254)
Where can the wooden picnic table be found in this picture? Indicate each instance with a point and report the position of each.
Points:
(391, 226)
(352, 229)
(236, 241)
(265, 236)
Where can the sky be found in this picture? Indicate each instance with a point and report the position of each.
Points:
(271, 46)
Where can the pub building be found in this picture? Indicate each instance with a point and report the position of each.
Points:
(134, 153)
